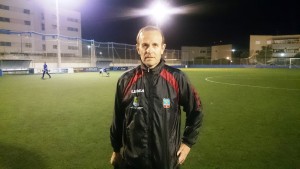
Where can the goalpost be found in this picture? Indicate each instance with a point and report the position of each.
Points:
(294, 63)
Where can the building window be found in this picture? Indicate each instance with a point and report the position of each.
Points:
(44, 47)
(42, 16)
(43, 26)
(72, 19)
(5, 43)
(28, 45)
(43, 37)
(278, 50)
(2, 19)
(4, 7)
(292, 50)
(27, 22)
(280, 41)
(257, 42)
(27, 11)
(73, 29)
(72, 47)
(54, 46)
(54, 26)
(293, 41)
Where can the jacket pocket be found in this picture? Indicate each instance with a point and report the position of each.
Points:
(136, 132)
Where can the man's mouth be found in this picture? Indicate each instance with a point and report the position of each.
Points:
(149, 57)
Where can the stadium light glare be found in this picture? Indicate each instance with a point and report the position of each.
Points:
(159, 11)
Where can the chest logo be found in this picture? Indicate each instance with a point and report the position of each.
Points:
(137, 91)
(166, 103)
(135, 102)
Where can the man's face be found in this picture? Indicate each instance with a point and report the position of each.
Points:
(150, 48)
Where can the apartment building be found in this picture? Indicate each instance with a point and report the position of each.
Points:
(41, 30)
(283, 46)
(189, 53)
(221, 52)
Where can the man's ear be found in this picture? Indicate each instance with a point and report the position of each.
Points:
(137, 48)
(163, 48)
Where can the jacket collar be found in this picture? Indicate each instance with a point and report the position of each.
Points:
(156, 69)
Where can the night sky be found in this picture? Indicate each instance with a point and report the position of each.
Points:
(214, 22)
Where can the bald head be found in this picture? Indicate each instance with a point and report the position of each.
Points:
(150, 28)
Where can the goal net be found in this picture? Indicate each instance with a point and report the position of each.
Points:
(294, 63)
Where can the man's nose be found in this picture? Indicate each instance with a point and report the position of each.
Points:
(149, 49)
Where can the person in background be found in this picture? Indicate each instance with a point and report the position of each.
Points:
(145, 130)
(45, 70)
(104, 70)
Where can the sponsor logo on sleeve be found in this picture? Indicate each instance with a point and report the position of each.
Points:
(166, 103)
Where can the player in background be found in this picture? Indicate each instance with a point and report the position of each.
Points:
(104, 70)
(45, 70)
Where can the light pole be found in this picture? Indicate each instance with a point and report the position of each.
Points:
(89, 47)
(58, 38)
(21, 42)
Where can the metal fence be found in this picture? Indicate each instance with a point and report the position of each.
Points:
(47, 47)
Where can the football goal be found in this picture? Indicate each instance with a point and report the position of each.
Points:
(294, 63)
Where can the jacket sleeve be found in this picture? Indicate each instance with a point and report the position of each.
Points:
(117, 122)
(192, 106)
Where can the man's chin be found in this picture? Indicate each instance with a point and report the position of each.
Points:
(150, 65)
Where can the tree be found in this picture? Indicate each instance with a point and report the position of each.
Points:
(264, 54)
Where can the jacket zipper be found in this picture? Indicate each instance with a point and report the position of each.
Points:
(150, 112)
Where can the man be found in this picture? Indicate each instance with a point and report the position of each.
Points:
(104, 70)
(145, 132)
(45, 70)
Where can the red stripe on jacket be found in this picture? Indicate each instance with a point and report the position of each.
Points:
(132, 81)
(170, 79)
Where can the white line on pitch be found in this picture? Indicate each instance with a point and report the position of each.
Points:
(234, 84)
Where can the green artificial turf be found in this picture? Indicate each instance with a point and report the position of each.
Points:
(252, 120)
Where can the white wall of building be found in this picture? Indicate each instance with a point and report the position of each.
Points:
(283, 46)
(221, 52)
(39, 19)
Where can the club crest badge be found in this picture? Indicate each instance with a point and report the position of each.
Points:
(166, 103)
(135, 101)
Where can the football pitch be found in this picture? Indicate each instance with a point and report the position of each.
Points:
(251, 120)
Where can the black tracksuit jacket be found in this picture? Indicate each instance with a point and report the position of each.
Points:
(147, 116)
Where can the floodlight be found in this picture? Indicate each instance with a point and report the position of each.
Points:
(159, 12)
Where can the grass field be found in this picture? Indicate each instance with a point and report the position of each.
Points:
(252, 120)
